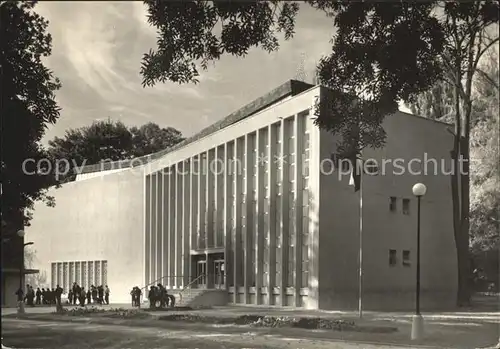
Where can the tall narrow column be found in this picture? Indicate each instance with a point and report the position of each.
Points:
(219, 197)
(226, 218)
(159, 225)
(171, 228)
(201, 201)
(238, 253)
(210, 202)
(154, 205)
(285, 208)
(147, 231)
(248, 225)
(271, 175)
(259, 233)
(178, 226)
(165, 253)
(193, 229)
(298, 131)
(186, 211)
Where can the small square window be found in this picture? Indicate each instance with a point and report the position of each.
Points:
(371, 167)
(406, 258)
(393, 257)
(406, 206)
(392, 204)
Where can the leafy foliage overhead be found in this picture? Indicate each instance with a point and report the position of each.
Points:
(382, 52)
(28, 106)
(202, 31)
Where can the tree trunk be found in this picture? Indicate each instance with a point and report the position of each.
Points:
(455, 197)
(464, 272)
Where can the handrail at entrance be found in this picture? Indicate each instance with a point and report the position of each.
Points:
(192, 282)
(157, 280)
(188, 286)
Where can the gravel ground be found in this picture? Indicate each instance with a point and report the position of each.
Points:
(48, 335)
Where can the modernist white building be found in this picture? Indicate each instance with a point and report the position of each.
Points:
(252, 208)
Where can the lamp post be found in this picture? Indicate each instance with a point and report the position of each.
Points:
(419, 190)
(21, 233)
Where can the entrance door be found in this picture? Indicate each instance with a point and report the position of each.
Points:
(201, 273)
(219, 274)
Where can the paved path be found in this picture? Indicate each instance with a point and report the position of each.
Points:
(235, 311)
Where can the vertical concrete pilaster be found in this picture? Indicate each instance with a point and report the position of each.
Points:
(260, 217)
(285, 207)
(226, 217)
(298, 131)
(202, 187)
(186, 211)
(219, 171)
(271, 173)
(193, 203)
(147, 231)
(154, 205)
(210, 201)
(171, 228)
(247, 227)
(165, 253)
(178, 226)
(238, 253)
(159, 225)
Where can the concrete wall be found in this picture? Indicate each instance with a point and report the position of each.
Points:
(390, 286)
(98, 219)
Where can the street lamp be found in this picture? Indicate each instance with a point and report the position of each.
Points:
(417, 327)
(21, 234)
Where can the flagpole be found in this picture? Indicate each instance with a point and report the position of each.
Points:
(360, 280)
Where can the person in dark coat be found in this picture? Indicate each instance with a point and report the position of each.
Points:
(93, 291)
(78, 292)
(100, 294)
(162, 295)
(106, 295)
(44, 296)
(38, 296)
(82, 296)
(138, 295)
(58, 293)
(20, 294)
(89, 296)
(152, 296)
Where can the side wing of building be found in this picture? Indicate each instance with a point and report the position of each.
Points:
(417, 150)
(94, 234)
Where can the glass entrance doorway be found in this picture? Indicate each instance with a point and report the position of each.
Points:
(201, 273)
(220, 276)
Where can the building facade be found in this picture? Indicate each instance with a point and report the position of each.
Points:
(254, 207)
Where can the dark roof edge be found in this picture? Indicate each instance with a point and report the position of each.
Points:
(428, 119)
(289, 88)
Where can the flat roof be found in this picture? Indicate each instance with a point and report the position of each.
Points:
(289, 88)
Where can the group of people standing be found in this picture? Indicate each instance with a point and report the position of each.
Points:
(136, 294)
(159, 294)
(40, 296)
(94, 295)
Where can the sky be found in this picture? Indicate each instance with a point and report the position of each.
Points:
(96, 53)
